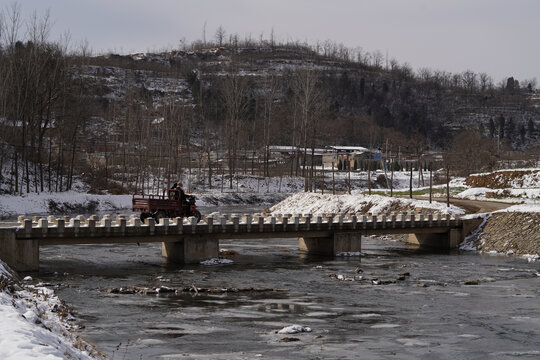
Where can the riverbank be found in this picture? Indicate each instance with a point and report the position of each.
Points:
(36, 323)
(513, 231)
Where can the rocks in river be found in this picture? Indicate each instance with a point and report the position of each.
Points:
(190, 289)
(422, 285)
(471, 282)
(289, 339)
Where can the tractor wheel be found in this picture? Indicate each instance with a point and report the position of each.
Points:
(145, 216)
(160, 215)
(198, 215)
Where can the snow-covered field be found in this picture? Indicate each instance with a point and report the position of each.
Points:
(317, 204)
(504, 185)
(68, 202)
(33, 323)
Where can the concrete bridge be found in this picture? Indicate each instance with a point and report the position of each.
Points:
(186, 241)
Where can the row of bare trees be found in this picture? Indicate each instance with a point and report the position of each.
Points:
(36, 94)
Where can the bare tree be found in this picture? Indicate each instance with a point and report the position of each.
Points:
(220, 35)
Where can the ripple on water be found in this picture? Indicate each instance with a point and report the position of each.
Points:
(384, 326)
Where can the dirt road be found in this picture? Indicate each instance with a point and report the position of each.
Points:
(472, 206)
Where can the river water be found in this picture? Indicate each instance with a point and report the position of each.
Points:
(432, 314)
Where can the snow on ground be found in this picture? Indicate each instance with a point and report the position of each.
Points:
(317, 204)
(531, 195)
(522, 208)
(31, 326)
(60, 203)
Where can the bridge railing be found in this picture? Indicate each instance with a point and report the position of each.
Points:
(126, 226)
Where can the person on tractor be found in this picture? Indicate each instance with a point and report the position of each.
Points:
(178, 186)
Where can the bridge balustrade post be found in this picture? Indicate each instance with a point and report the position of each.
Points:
(439, 219)
(44, 225)
(296, 222)
(236, 222)
(412, 220)
(421, 219)
(193, 221)
(364, 221)
(340, 221)
(75, 224)
(330, 220)
(223, 224)
(393, 220)
(261, 224)
(92, 226)
(403, 219)
(27, 228)
(384, 221)
(319, 222)
(354, 220)
(448, 219)
(374, 221)
(165, 225)
(273, 223)
(307, 220)
(430, 220)
(284, 222)
(151, 222)
(106, 223)
(248, 222)
(180, 225)
(210, 222)
(60, 227)
(123, 224)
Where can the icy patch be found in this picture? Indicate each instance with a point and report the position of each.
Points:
(216, 261)
(294, 329)
(531, 257)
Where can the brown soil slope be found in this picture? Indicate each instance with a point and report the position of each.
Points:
(512, 233)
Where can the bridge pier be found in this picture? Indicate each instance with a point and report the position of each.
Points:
(19, 254)
(330, 246)
(447, 240)
(190, 250)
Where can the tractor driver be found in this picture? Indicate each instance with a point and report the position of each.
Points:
(178, 186)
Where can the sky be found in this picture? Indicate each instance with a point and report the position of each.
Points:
(499, 37)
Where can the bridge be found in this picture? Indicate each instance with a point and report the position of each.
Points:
(186, 241)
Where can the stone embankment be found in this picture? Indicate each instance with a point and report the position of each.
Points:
(512, 233)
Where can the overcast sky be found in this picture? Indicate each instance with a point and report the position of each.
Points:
(500, 37)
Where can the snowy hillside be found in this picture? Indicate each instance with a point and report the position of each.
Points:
(356, 203)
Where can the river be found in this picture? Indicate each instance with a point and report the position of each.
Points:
(448, 305)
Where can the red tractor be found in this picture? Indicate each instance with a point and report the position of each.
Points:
(171, 204)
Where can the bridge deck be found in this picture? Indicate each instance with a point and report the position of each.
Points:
(79, 230)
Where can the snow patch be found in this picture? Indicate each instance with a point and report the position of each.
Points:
(294, 329)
